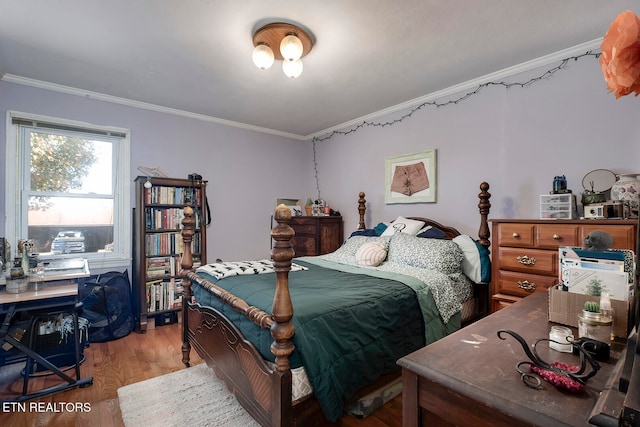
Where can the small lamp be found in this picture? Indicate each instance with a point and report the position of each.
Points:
(291, 48)
(292, 69)
(263, 56)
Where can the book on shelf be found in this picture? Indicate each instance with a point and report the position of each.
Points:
(157, 244)
(164, 294)
(162, 195)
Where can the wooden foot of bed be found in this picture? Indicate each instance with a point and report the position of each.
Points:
(186, 353)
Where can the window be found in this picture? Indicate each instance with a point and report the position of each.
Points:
(69, 183)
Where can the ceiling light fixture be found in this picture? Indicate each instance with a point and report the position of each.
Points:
(291, 41)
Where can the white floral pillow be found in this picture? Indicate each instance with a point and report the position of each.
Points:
(346, 254)
(434, 254)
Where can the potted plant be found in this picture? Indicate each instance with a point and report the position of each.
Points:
(591, 310)
(308, 207)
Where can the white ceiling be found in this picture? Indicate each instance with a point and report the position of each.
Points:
(369, 55)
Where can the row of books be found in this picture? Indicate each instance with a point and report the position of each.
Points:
(164, 218)
(164, 294)
(162, 266)
(171, 195)
(592, 272)
(166, 266)
(169, 243)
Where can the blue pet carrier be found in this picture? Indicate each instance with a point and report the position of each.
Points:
(107, 306)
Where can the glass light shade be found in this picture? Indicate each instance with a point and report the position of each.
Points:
(262, 56)
(292, 68)
(291, 48)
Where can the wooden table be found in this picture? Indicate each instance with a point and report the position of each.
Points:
(469, 378)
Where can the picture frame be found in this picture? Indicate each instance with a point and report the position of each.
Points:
(411, 178)
(294, 205)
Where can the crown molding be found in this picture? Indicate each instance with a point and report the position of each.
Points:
(452, 90)
(465, 86)
(12, 78)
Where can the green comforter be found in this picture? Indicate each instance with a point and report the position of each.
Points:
(350, 326)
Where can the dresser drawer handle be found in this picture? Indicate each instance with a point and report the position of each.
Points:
(556, 237)
(526, 285)
(515, 235)
(525, 260)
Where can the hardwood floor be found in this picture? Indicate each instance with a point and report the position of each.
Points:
(117, 363)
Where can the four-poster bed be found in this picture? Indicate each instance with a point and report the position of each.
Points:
(228, 330)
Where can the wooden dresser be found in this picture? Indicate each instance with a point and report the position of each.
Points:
(316, 235)
(525, 252)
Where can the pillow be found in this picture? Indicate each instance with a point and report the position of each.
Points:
(379, 229)
(475, 264)
(371, 254)
(346, 254)
(434, 254)
(366, 232)
(411, 226)
(376, 231)
(485, 263)
(432, 233)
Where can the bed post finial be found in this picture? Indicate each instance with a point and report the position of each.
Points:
(484, 206)
(282, 252)
(361, 210)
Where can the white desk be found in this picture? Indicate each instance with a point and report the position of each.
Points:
(56, 292)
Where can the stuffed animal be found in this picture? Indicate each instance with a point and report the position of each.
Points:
(598, 240)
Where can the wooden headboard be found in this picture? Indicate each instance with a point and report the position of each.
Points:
(483, 206)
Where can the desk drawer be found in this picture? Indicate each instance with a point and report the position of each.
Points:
(533, 261)
(523, 284)
(304, 245)
(304, 228)
(551, 236)
(520, 235)
(623, 235)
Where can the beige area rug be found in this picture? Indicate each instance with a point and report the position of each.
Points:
(190, 397)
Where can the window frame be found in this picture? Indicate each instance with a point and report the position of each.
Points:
(16, 211)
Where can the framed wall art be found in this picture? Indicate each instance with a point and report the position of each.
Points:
(411, 178)
(294, 205)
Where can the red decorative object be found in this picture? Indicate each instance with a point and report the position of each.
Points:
(558, 379)
(620, 59)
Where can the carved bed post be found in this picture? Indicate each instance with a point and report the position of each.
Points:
(361, 210)
(282, 252)
(188, 231)
(484, 206)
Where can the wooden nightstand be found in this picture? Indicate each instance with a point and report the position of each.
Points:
(316, 235)
(525, 252)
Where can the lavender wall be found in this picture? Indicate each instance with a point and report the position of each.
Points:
(246, 170)
(516, 139)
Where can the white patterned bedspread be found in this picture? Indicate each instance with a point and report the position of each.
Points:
(220, 270)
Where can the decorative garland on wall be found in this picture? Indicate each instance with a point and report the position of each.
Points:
(436, 104)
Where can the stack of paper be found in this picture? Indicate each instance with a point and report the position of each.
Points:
(593, 272)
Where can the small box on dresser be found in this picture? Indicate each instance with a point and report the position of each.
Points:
(524, 255)
(558, 206)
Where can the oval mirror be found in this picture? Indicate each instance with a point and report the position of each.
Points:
(599, 180)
